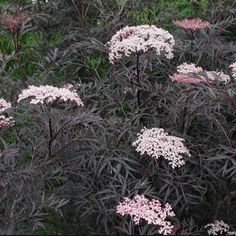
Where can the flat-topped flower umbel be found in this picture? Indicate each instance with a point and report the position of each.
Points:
(5, 121)
(157, 143)
(49, 95)
(219, 227)
(186, 68)
(4, 105)
(140, 39)
(217, 76)
(14, 23)
(191, 74)
(193, 25)
(141, 208)
(187, 74)
(233, 69)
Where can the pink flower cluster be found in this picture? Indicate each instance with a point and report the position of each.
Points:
(193, 25)
(157, 143)
(219, 227)
(186, 68)
(49, 95)
(191, 74)
(233, 68)
(187, 79)
(14, 23)
(217, 76)
(141, 208)
(188, 74)
(140, 39)
(4, 105)
(5, 121)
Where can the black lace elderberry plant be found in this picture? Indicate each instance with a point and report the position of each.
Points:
(191, 28)
(49, 96)
(14, 24)
(136, 40)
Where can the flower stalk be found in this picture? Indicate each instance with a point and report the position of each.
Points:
(50, 137)
(138, 81)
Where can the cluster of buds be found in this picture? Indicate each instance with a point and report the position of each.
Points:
(14, 23)
(194, 25)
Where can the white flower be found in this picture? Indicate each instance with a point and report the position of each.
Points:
(140, 39)
(49, 94)
(218, 227)
(4, 105)
(186, 68)
(157, 143)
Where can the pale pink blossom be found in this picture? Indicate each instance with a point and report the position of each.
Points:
(141, 208)
(49, 95)
(193, 25)
(140, 39)
(157, 143)
(217, 76)
(4, 105)
(186, 68)
(68, 86)
(233, 69)
(6, 121)
(191, 74)
(219, 227)
(188, 74)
